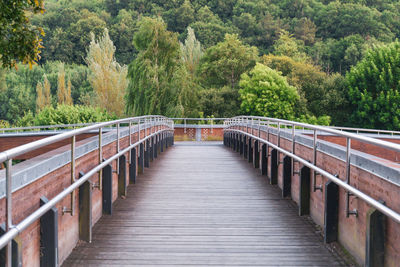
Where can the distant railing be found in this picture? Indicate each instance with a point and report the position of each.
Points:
(154, 124)
(242, 124)
(189, 122)
(367, 131)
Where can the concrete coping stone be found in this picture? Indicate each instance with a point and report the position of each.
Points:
(382, 168)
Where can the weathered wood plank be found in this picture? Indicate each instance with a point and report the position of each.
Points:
(203, 205)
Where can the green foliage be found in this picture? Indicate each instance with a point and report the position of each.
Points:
(312, 43)
(19, 40)
(223, 63)
(374, 89)
(220, 102)
(286, 45)
(264, 92)
(307, 78)
(322, 120)
(64, 114)
(152, 72)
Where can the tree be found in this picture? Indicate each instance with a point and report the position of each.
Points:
(191, 51)
(39, 97)
(223, 63)
(19, 40)
(62, 93)
(179, 18)
(374, 85)
(64, 114)
(108, 78)
(46, 92)
(264, 92)
(287, 45)
(307, 78)
(220, 102)
(305, 30)
(151, 74)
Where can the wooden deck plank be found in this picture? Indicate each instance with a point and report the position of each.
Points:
(203, 205)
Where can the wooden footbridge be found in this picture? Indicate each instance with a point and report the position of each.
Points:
(123, 193)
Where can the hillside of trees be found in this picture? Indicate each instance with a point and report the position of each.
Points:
(318, 61)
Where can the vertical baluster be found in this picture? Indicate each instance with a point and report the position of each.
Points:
(8, 210)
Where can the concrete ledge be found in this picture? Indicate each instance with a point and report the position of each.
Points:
(385, 169)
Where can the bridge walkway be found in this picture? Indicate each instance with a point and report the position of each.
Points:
(203, 205)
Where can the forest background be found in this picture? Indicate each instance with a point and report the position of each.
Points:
(317, 61)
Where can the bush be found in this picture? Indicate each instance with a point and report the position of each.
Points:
(65, 114)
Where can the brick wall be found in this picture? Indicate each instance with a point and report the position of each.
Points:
(189, 134)
(26, 201)
(352, 230)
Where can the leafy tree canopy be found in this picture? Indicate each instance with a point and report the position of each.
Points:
(223, 63)
(19, 40)
(264, 92)
(374, 85)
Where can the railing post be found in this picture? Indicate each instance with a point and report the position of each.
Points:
(130, 140)
(293, 149)
(315, 187)
(71, 210)
(117, 147)
(348, 194)
(8, 210)
(100, 183)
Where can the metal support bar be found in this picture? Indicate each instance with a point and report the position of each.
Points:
(348, 194)
(315, 186)
(99, 182)
(8, 210)
(117, 147)
(71, 210)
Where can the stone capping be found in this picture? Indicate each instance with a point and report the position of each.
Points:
(361, 160)
(33, 169)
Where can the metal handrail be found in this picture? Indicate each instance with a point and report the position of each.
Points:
(363, 130)
(17, 129)
(366, 139)
(244, 121)
(17, 151)
(13, 230)
(376, 204)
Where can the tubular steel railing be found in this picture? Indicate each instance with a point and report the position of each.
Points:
(210, 122)
(154, 124)
(242, 124)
